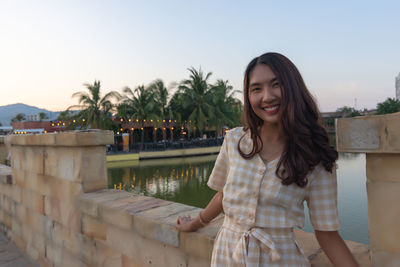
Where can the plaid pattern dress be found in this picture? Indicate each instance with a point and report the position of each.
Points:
(260, 212)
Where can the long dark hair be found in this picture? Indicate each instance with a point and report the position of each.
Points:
(307, 142)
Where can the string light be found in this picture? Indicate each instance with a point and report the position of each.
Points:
(137, 120)
(132, 129)
(122, 119)
(83, 120)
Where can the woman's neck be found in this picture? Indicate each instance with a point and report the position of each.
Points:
(271, 133)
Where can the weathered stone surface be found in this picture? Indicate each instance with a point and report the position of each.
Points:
(132, 244)
(371, 134)
(69, 138)
(104, 255)
(33, 201)
(385, 258)
(94, 228)
(384, 222)
(89, 203)
(383, 167)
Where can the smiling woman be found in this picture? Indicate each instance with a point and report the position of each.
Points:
(267, 169)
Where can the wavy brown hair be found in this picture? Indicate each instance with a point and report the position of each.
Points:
(307, 142)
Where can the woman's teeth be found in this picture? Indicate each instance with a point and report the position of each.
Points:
(272, 108)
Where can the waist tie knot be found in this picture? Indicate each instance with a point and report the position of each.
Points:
(260, 238)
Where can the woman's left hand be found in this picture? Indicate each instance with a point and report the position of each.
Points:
(185, 224)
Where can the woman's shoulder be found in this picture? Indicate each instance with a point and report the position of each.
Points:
(235, 133)
(320, 172)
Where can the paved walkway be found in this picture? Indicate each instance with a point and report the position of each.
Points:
(10, 256)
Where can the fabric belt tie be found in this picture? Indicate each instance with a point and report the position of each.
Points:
(262, 239)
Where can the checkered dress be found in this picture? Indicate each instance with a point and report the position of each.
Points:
(260, 212)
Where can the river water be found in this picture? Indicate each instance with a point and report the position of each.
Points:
(184, 180)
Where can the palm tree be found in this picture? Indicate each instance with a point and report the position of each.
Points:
(227, 108)
(160, 95)
(197, 98)
(96, 110)
(138, 104)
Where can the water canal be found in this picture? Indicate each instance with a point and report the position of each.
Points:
(184, 180)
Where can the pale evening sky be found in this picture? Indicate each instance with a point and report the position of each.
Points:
(48, 49)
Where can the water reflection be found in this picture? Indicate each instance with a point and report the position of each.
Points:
(184, 180)
(181, 180)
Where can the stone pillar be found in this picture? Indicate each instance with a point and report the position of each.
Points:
(3, 151)
(379, 138)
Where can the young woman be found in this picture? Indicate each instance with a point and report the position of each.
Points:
(267, 169)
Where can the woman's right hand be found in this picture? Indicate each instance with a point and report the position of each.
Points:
(185, 224)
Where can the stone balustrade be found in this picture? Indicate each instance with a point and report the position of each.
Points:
(55, 206)
(379, 138)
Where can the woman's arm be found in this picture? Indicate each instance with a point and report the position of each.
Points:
(213, 209)
(335, 248)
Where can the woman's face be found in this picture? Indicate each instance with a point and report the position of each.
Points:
(264, 94)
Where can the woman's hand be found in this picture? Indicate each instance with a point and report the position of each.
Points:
(185, 224)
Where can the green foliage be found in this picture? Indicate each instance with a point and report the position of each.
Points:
(347, 112)
(43, 116)
(390, 105)
(95, 110)
(18, 117)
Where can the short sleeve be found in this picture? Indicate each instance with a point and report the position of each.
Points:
(218, 175)
(322, 200)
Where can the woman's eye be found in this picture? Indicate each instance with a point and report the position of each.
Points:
(275, 85)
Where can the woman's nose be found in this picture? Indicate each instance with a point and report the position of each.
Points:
(267, 95)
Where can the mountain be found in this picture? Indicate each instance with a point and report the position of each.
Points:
(9, 111)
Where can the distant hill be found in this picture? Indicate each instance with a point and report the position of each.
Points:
(9, 111)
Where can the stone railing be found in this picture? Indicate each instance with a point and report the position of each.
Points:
(379, 138)
(55, 206)
(48, 210)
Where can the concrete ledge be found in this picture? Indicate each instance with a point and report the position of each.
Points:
(179, 152)
(372, 134)
(68, 138)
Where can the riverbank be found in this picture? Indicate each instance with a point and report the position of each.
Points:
(172, 153)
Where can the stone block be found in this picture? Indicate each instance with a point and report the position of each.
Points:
(15, 226)
(80, 246)
(383, 167)
(164, 219)
(85, 138)
(196, 244)
(16, 193)
(88, 203)
(36, 221)
(77, 164)
(39, 242)
(33, 200)
(94, 228)
(104, 255)
(385, 258)
(19, 242)
(43, 261)
(384, 216)
(20, 212)
(32, 252)
(63, 212)
(358, 134)
(128, 262)
(198, 262)
(19, 177)
(134, 245)
(7, 220)
(54, 254)
(63, 189)
(113, 212)
(17, 158)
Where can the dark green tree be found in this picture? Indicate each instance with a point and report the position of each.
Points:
(18, 117)
(390, 105)
(43, 116)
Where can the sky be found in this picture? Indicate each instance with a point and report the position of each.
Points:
(347, 51)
